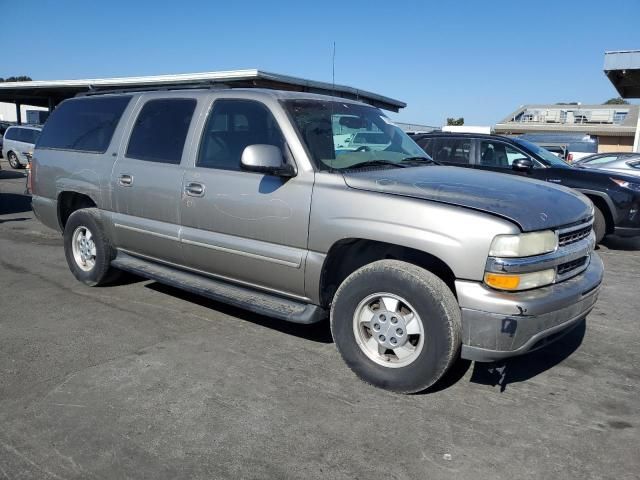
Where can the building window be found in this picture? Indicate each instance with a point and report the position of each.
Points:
(619, 116)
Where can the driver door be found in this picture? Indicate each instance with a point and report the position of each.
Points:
(244, 226)
(499, 156)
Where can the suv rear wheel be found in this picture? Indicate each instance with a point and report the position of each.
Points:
(396, 325)
(87, 248)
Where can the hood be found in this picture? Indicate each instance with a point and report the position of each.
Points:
(531, 204)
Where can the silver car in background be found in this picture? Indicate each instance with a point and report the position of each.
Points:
(18, 144)
(626, 162)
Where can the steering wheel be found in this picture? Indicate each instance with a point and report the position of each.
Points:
(363, 148)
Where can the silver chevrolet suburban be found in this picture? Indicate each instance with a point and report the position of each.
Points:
(241, 195)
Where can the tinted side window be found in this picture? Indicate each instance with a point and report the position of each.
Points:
(11, 134)
(498, 154)
(29, 135)
(85, 124)
(453, 150)
(161, 130)
(232, 126)
(427, 145)
(18, 134)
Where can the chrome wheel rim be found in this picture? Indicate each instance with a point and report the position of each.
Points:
(84, 249)
(388, 330)
(13, 160)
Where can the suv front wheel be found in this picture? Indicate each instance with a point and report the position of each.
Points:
(396, 325)
(87, 248)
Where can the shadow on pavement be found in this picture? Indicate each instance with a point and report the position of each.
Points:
(522, 368)
(319, 332)
(11, 174)
(453, 376)
(19, 219)
(613, 242)
(14, 203)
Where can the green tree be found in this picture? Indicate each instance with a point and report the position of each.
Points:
(455, 121)
(21, 78)
(616, 101)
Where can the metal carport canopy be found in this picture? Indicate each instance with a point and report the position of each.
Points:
(49, 93)
(623, 69)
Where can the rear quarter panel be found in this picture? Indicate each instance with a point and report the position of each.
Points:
(58, 171)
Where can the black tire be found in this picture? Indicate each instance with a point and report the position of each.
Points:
(101, 273)
(599, 224)
(12, 158)
(429, 296)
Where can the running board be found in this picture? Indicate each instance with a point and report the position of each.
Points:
(249, 299)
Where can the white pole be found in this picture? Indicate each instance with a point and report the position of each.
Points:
(636, 139)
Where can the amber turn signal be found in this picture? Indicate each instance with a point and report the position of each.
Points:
(502, 282)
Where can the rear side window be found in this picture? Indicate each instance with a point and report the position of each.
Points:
(84, 125)
(160, 131)
(11, 134)
(453, 150)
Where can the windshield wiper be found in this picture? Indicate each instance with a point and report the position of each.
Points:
(377, 163)
(419, 160)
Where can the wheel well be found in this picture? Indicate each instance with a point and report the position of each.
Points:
(348, 255)
(69, 202)
(604, 208)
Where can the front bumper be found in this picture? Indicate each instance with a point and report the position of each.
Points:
(497, 325)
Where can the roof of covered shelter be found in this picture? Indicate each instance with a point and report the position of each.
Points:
(623, 70)
(46, 92)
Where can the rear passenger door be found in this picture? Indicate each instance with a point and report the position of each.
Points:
(245, 226)
(147, 177)
(454, 151)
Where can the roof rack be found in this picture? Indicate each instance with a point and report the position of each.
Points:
(166, 88)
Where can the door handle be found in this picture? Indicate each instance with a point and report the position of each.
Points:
(125, 180)
(194, 189)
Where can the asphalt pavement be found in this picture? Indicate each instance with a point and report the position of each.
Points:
(140, 380)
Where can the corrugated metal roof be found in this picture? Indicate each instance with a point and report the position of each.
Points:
(41, 90)
(622, 60)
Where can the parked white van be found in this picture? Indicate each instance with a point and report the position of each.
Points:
(18, 144)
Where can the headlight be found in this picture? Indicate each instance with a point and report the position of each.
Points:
(524, 245)
(630, 185)
(522, 281)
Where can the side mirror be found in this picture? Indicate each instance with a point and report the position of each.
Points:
(266, 159)
(522, 165)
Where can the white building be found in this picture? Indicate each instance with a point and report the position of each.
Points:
(8, 111)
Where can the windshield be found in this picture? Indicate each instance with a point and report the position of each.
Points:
(342, 136)
(543, 154)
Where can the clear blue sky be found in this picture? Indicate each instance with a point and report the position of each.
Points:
(477, 59)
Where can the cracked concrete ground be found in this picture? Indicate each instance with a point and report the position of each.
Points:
(141, 380)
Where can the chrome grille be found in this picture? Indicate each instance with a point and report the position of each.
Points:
(567, 238)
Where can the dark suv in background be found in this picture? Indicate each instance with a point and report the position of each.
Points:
(616, 196)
